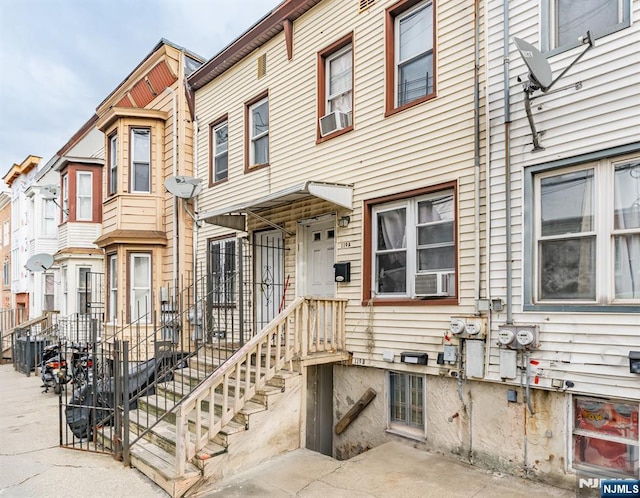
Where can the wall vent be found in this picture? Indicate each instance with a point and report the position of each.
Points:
(262, 65)
(365, 4)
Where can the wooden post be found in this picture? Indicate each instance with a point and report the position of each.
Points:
(355, 410)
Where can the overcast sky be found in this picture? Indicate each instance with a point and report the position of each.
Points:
(60, 58)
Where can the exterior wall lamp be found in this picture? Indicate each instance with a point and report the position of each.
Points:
(343, 222)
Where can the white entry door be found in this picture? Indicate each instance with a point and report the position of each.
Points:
(320, 258)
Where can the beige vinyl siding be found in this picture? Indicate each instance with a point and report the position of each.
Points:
(422, 146)
(589, 349)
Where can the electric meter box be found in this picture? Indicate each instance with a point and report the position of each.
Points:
(468, 327)
(518, 336)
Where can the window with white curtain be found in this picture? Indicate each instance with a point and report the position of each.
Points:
(338, 71)
(564, 21)
(141, 160)
(49, 282)
(587, 233)
(140, 287)
(413, 239)
(259, 132)
(84, 289)
(84, 195)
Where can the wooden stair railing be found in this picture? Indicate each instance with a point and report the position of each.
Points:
(307, 326)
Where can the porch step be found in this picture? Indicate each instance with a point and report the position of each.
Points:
(159, 466)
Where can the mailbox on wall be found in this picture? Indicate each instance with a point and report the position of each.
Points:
(342, 272)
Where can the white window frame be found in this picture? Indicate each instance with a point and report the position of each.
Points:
(142, 163)
(6, 239)
(406, 427)
(603, 231)
(113, 164)
(6, 274)
(550, 22)
(84, 288)
(112, 266)
(48, 298)
(80, 216)
(411, 246)
(327, 64)
(49, 217)
(396, 47)
(254, 138)
(218, 155)
(140, 286)
(65, 197)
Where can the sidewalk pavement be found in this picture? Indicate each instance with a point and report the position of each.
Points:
(33, 465)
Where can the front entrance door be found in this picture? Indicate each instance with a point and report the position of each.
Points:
(270, 283)
(320, 257)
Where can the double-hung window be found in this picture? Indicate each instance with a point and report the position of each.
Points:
(65, 197)
(410, 53)
(564, 21)
(113, 164)
(112, 268)
(84, 290)
(335, 83)
(49, 218)
(49, 282)
(5, 233)
(140, 287)
(586, 231)
(141, 160)
(412, 242)
(84, 196)
(6, 273)
(258, 125)
(222, 272)
(407, 403)
(219, 151)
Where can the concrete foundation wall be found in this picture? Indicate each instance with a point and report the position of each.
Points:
(482, 428)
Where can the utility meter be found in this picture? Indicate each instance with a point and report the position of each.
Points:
(506, 336)
(474, 327)
(525, 337)
(456, 326)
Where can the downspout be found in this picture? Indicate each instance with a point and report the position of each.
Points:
(196, 223)
(176, 249)
(507, 161)
(476, 130)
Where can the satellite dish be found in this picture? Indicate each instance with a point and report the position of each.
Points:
(539, 69)
(185, 187)
(49, 192)
(39, 262)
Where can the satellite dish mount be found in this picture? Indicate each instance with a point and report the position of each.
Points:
(184, 187)
(541, 77)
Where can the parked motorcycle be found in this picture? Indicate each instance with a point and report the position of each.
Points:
(54, 369)
(81, 365)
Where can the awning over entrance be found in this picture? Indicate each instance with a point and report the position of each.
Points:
(234, 216)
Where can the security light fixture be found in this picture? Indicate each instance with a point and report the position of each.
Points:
(343, 222)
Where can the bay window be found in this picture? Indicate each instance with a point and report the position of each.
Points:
(112, 173)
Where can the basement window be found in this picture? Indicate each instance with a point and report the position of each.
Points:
(605, 436)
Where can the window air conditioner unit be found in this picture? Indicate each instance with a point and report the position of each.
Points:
(334, 121)
(434, 284)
